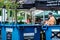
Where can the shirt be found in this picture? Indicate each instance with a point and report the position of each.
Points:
(51, 21)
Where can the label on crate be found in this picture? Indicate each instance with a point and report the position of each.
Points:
(9, 30)
(28, 34)
(55, 30)
(9, 33)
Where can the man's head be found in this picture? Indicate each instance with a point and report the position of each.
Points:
(50, 14)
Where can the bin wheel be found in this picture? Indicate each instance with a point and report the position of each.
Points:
(58, 34)
(53, 34)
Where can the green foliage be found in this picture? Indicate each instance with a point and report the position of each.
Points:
(8, 4)
(1, 3)
(20, 17)
(11, 14)
(0, 13)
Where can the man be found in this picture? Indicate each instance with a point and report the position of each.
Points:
(38, 21)
(51, 20)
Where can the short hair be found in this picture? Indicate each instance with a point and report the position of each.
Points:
(50, 13)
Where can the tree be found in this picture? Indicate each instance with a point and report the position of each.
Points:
(1, 3)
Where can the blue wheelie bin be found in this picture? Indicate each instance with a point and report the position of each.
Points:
(52, 32)
(20, 32)
(29, 32)
(8, 32)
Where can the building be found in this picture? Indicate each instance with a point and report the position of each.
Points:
(47, 4)
(26, 4)
(40, 4)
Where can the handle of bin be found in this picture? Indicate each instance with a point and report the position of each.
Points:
(44, 27)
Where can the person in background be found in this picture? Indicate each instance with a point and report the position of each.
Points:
(28, 21)
(38, 21)
(58, 21)
(46, 22)
(51, 21)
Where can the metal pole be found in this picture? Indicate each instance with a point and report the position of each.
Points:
(16, 13)
(34, 17)
(32, 14)
(44, 16)
(26, 15)
(3, 14)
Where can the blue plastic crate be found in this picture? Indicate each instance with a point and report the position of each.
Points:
(20, 31)
(28, 31)
(52, 32)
